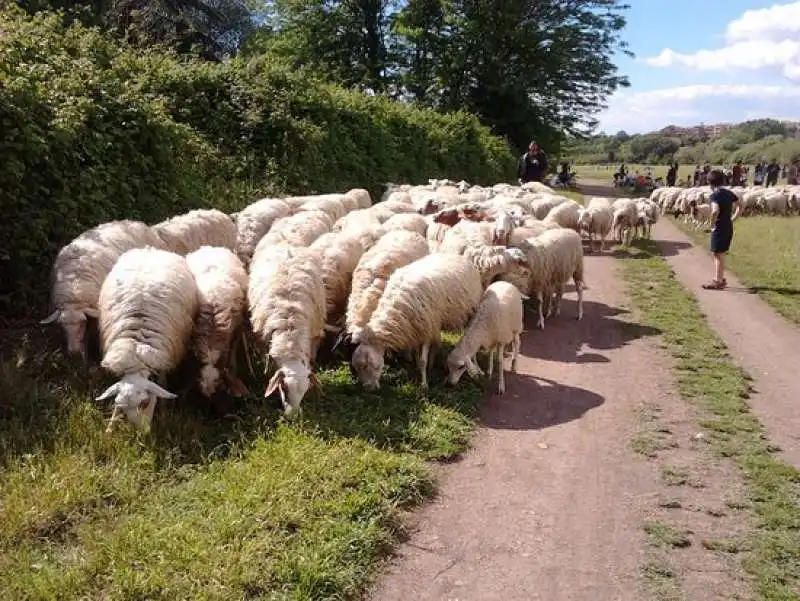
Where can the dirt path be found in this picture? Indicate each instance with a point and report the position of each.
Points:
(762, 342)
(549, 503)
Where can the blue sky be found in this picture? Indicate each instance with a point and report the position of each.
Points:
(707, 61)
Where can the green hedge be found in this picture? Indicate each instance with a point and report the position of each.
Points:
(92, 131)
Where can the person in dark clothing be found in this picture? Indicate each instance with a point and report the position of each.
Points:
(737, 174)
(723, 202)
(532, 164)
(773, 171)
(672, 174)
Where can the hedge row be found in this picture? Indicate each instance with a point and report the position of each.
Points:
(92, 131)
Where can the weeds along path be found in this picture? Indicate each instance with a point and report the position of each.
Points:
(549, 503)
(766, 345)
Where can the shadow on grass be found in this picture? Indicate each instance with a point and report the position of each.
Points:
(47, 401)
(664, 248)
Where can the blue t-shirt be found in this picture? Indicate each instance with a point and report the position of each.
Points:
(725, 199)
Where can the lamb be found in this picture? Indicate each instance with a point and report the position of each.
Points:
(254, 221)
(221, 282)
(407, 221)
(554, 257)
(394, 250)
(434, 293)
(497, 323)
(286, 297)
(148, 304)
(80, 269)
(596, 220)
(340, 256)
(624, 219)
(186, 233)
(565, 215)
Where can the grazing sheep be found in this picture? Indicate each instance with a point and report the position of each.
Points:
(493, 261)
(221, 282)
(148, 305)
(202, 227)
(254, 221)
(81, 267)
(300, 229)
(287, 312)
(434, 293)
(497, 323)
(394, 250)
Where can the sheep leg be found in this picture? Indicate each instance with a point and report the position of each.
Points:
(579, 290)
(540, 302)
(501, 381)
(422, 363)
(557, 300)
(490, 371)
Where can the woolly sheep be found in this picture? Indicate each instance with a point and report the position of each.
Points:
(493, 261)
(148, 305)
(221, 282)
(497, 323)
(286, 297)
(254, 221)
(186, 233)
(81, 267)
(565, 215)
(466, 234)
(407, 221)
(624, 219)
(361, 196)
(435, 235)
(333, 207)
(434, 293)
(394, 250)
(596, 220)
(300, 229)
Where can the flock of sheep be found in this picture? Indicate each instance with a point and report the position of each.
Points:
(694, 205)
(283, 272)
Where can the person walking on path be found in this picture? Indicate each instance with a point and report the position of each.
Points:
(723, 214)
(672, 174)
(793, 175)
(532, 164)
(773, 171)
(737, 174)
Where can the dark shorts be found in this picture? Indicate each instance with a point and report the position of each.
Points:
(721, 236)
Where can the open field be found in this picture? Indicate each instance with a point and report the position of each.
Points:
(765, 255)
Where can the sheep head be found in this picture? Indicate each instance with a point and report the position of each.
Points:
(368, 364)
(136, 396)
(503, 226)
(447, 217)
(292, 382)
(73, 321)
(458, 364)
(584, 220)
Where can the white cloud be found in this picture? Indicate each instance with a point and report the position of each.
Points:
(639, 112)
(759, 39)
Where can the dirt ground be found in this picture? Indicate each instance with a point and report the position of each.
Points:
(554, 503)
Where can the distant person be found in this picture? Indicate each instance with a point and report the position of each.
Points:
(793, 174)
(723, 214)
(697, 173)
(758, 174)
(783, 171)
(672, 174)
(773, 171)
(532, 164)
(737, 174)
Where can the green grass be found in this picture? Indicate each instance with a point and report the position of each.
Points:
(765, 255)
(708, 377)
(662, 534)
(211, 507)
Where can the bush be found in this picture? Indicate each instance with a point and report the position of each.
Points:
(95, 131)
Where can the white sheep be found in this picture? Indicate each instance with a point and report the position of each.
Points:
(497, 323)
(81, 267)
(186, 233)
(493, 261)
(221, 282)
(300, 229)
(392, 251)
(407, 221)
(286, 297)
(148, 304)
(624, 219)
(596, 220)
(565, 215)
(423, 298)
(254, 221)
(361, 196)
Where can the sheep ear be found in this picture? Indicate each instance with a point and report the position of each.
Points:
(275, 383)
(50, 318)
(160, 392)
(108, 392)
(92, 312)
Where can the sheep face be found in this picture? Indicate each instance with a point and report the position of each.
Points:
(136, 396)
(292, 382)
(457, 365)
(368, 364)
(584, 220)
(504, 223)
(73, 321)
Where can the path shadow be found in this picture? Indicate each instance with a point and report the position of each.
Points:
(775, 289)
(564, 337)
(667, 248)
(532, 403)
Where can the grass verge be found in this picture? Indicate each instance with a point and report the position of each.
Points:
(708, 376)
(765, 255)
(211, 507)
